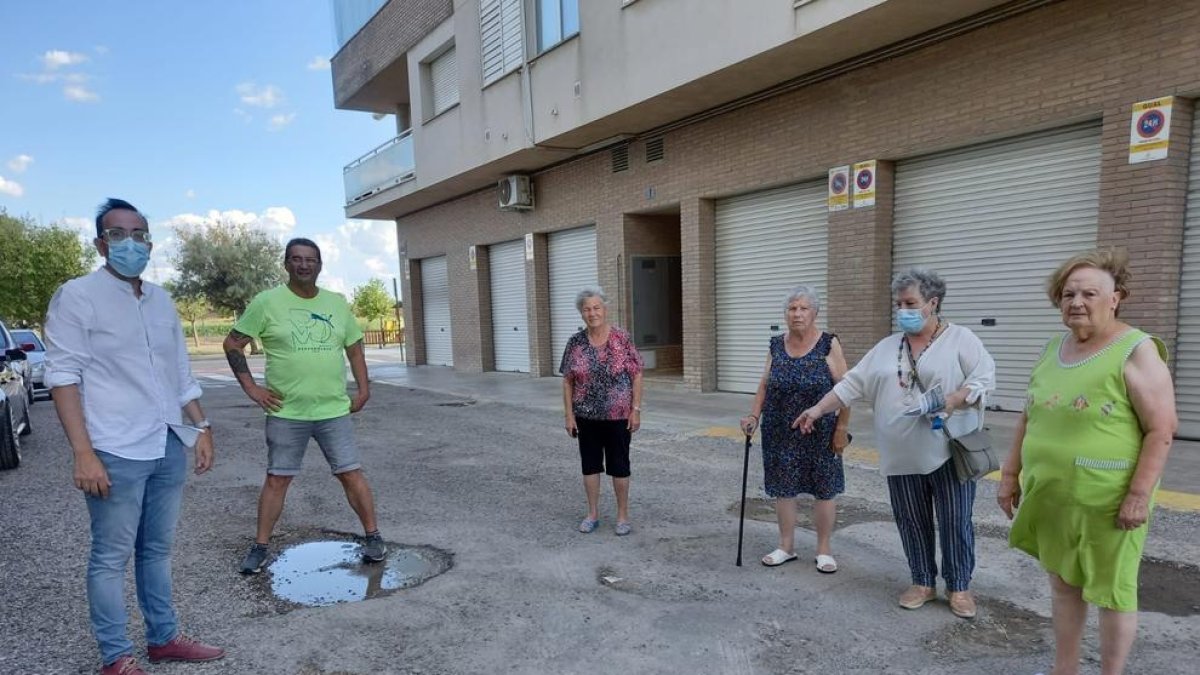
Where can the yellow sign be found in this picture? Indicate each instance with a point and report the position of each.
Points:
(1150, 130)
(864, 184)
(839, 188)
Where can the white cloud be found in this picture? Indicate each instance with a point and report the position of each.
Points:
(101, 50)
(243, 115)
(19, 163)
(369, 237)
(267, 96)
(378, 267)
(190, 194)
(318, 63)
(83, 226)
(57, 58)
(278, 122)
(80, 94)
(335, 284)
(11, 187)
(40, 78)
(278, 221)
(331, 251)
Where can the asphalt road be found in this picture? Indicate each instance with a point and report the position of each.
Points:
(494, 488)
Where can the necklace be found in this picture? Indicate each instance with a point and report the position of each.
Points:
(907, 383)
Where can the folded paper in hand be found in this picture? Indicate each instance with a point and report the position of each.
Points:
(931, 401)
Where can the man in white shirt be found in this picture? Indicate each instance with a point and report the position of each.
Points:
(117, 367)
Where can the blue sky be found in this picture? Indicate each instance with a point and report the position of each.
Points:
(191, 111)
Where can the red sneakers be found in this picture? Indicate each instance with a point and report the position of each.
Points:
(125, 665)
(183, 648)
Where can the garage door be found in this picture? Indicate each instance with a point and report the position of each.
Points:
(1187, 350)
(994, 220)
(572, 266)
(766, 243)
(510, 323)
(435, 305)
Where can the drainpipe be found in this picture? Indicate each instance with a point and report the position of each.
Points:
(526, 80)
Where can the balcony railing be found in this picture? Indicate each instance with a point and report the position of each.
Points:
(389, 164)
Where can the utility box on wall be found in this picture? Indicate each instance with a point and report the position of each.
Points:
(656, 285)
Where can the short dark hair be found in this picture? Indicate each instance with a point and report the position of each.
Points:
(113, 204)
(301, 241)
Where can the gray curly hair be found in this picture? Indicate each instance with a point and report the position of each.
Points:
(589, 292)
(927, 282)
(808, 293)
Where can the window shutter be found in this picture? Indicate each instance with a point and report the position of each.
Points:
(501, 38)
(443, 72)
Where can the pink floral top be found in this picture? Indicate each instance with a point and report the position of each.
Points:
(601, 377)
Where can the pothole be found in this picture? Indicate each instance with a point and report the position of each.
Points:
(1169, 588)
(322, 573)
(1001, 627)
(850, 511)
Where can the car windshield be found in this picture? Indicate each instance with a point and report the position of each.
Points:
(26, 336)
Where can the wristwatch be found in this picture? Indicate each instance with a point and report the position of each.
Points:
(637, 408)
(203, 424)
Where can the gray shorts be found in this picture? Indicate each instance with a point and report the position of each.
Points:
(288, 439)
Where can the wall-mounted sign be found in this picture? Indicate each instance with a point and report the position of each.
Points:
(471, 260)
(839, 188)
(529, 246)
(406, 277)
(864, 184)
(1150, 130)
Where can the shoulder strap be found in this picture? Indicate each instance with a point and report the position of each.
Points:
(826, 344)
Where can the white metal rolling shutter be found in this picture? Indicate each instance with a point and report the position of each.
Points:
(995, 220)
(435, 305)
(510, 323)
(502, 42)
(572, 255)
(1187, 349)
(443, 74)
(766, 243)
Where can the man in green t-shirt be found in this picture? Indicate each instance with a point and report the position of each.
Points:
(304, 331)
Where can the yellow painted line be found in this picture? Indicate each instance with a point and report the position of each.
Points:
(1167, 499)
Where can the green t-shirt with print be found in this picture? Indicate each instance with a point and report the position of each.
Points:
(305, 341)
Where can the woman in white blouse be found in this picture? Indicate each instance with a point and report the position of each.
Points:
(914, 454)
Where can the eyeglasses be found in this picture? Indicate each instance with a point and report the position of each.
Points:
(117, 235)
(297, 260)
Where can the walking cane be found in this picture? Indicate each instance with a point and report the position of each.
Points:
(742, 517)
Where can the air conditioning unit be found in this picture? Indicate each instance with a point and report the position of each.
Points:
(516, 193)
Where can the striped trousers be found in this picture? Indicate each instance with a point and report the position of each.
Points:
(915, 500)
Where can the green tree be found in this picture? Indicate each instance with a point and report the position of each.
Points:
(372, 302)
(34, 261)
(191, 308)
(227, 264)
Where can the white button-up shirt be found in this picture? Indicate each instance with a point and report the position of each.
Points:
(129, 358)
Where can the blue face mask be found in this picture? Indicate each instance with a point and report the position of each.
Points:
(911, 320)
(128, 257)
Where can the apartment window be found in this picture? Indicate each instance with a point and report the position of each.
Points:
(501, 39)
(557, 21)
(443, 82)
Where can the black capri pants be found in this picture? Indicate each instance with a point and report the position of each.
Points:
(604, 443)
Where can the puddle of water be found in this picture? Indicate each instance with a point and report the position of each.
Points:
(322, 573)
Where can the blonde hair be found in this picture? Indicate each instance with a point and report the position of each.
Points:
(1114, 261)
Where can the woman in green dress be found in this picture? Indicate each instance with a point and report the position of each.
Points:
(1089, 451)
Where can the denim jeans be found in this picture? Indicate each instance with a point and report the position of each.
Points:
(137, 517)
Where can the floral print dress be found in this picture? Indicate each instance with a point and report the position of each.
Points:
(601, 377)
(796, 463)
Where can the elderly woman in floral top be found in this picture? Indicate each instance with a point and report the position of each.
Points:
(602, 400)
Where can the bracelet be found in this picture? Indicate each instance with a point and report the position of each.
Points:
(637, 408)
(754, 416)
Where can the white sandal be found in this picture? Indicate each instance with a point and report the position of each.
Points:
(826, 564)
(777, 557)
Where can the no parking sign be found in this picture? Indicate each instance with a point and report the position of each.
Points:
(864, 184)
(1150, 130)
(839, 188)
